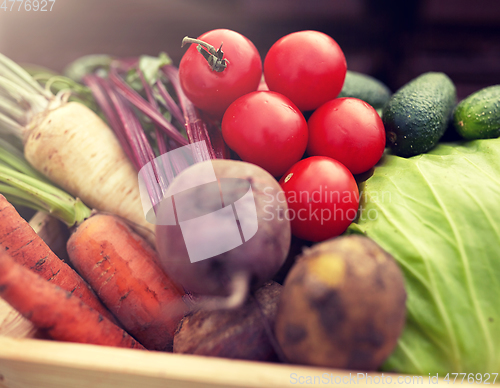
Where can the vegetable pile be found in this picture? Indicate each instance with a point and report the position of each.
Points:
(374, 242)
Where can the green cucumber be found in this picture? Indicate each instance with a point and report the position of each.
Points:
(478, 115)
(416, 116)
(366, 88)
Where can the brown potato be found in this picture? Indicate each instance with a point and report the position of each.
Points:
(342, 305)
(237, 334)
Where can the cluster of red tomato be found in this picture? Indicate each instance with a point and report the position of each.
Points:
(262, 111)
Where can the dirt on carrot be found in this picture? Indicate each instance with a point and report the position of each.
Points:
(58, 313)
(123, 269)
(29, 250)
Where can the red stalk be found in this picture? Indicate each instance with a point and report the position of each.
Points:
(196, 129)
(129, 132)
(94, 84)
(145, 107)
(117, 99)
(170, 104)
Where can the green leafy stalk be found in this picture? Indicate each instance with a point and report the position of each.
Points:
(21, 77)
(9, 126)
(15, 199)
(13, 158)
(11, 109)
(25, 92)
(58, 84)
(22, 185)
(88, 64)
(21, 98)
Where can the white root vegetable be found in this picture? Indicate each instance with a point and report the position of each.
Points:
(13, 324)
(70, 145)
(76, 150)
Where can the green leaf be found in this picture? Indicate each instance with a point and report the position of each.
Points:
(438, 214)
(87, 64)
(150, 66)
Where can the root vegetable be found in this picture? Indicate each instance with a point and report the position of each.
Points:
(342, 305)
(258, 256)
(52, 231)
(29, 250)
(124, 271)
(118, 263)
(76, 150)
(71, 145)
(13, 324)
(237, 334)
(56, 312)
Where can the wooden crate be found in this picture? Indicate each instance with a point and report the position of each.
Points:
(48, 364)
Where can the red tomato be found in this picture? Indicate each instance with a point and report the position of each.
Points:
(348, 130)
(308, 67)
(213, 91)
(267, 129)
(322, 197)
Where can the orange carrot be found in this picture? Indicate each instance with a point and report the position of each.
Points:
(123, 270)
(29, 250)
(60, 314)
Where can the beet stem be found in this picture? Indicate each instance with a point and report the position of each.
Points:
(93, 82)
(170, 104)
(145, 107)
(196, 128)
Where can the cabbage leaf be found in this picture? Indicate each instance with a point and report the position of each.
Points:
(438, 214)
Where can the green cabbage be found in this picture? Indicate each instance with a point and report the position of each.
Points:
(438, 214)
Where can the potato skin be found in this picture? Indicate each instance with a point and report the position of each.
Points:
(236, 334)
(343, 305)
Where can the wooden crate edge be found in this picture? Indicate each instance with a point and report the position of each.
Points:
(30, 362)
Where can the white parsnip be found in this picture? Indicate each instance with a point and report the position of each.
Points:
(13, 324)
(71, 145)
(76, 150)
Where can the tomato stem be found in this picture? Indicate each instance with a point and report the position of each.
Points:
(212, 56)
